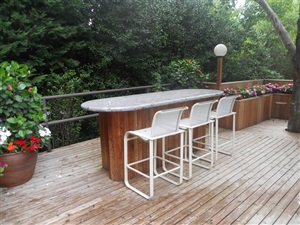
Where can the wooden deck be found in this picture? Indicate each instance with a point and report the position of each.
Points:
(259, 184)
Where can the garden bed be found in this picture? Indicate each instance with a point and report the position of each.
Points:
(253, 110)
(249, 112)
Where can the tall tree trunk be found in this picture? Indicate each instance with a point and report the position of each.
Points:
(294, 116)
(294, 51)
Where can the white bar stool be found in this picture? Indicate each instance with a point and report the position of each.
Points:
(199, 116)
(224, 109)
(165, 123)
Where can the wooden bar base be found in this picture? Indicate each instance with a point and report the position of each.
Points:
(113, 126)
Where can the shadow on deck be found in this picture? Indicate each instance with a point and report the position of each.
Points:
(258, 184)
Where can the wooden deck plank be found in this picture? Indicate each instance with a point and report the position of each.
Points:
(255, 185)
(70, 187)
(265, 213)
(212, 188)
(248, 207)
(286, 199)
(291, 209)
(296, 218)
(189, 190)
(248, 171)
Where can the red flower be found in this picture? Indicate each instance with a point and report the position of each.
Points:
(9, 87)
(30, 89)
(34, 139)
(10, 146)
(21, 142)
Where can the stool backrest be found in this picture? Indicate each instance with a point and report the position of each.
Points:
(166, 121)
(200, 112)
(225, 105)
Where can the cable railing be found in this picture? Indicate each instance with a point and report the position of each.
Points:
(147, 89)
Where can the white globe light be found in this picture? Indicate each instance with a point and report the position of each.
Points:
(220, 50)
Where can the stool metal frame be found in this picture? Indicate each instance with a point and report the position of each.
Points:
(165, 123)
(224, 109)
(199, 117)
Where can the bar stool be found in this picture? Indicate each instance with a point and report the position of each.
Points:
(224, 109)
(165, 123)
(199, 117)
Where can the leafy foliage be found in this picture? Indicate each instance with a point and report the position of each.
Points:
(76, 46)
(267, 47)
(21, 109)
(21, 104)
(185, 73)
(43, 34)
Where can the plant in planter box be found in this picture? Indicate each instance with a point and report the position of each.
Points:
(276, 88)
(257, 90)
(21, 112)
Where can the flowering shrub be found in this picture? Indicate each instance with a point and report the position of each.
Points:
(258, 90)
(21, 111)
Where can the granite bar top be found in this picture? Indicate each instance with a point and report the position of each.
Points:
(148, 100)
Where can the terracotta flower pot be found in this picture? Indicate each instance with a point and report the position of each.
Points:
(20, 168)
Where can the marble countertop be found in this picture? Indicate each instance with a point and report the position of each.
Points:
(148, 100)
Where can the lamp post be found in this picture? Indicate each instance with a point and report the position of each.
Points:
(220, 51)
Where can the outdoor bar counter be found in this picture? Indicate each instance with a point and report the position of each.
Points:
(117, 115)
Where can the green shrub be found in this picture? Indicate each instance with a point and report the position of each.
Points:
(185, 73)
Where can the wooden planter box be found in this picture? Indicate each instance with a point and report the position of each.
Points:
(252, 111)
(281, 111)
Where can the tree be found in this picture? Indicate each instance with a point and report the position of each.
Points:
(294, 51)
(45, 35)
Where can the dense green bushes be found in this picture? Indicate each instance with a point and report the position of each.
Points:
(76, 46)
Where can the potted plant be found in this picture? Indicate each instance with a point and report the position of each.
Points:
(21, 135)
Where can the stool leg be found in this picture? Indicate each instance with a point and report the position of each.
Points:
(185, 146)
(151, 178)
(163, 145)
(217, 138)
(211, 142)
(233, 132)
(155, 158)
(190, 152)
(181, 158)
(126, 160)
